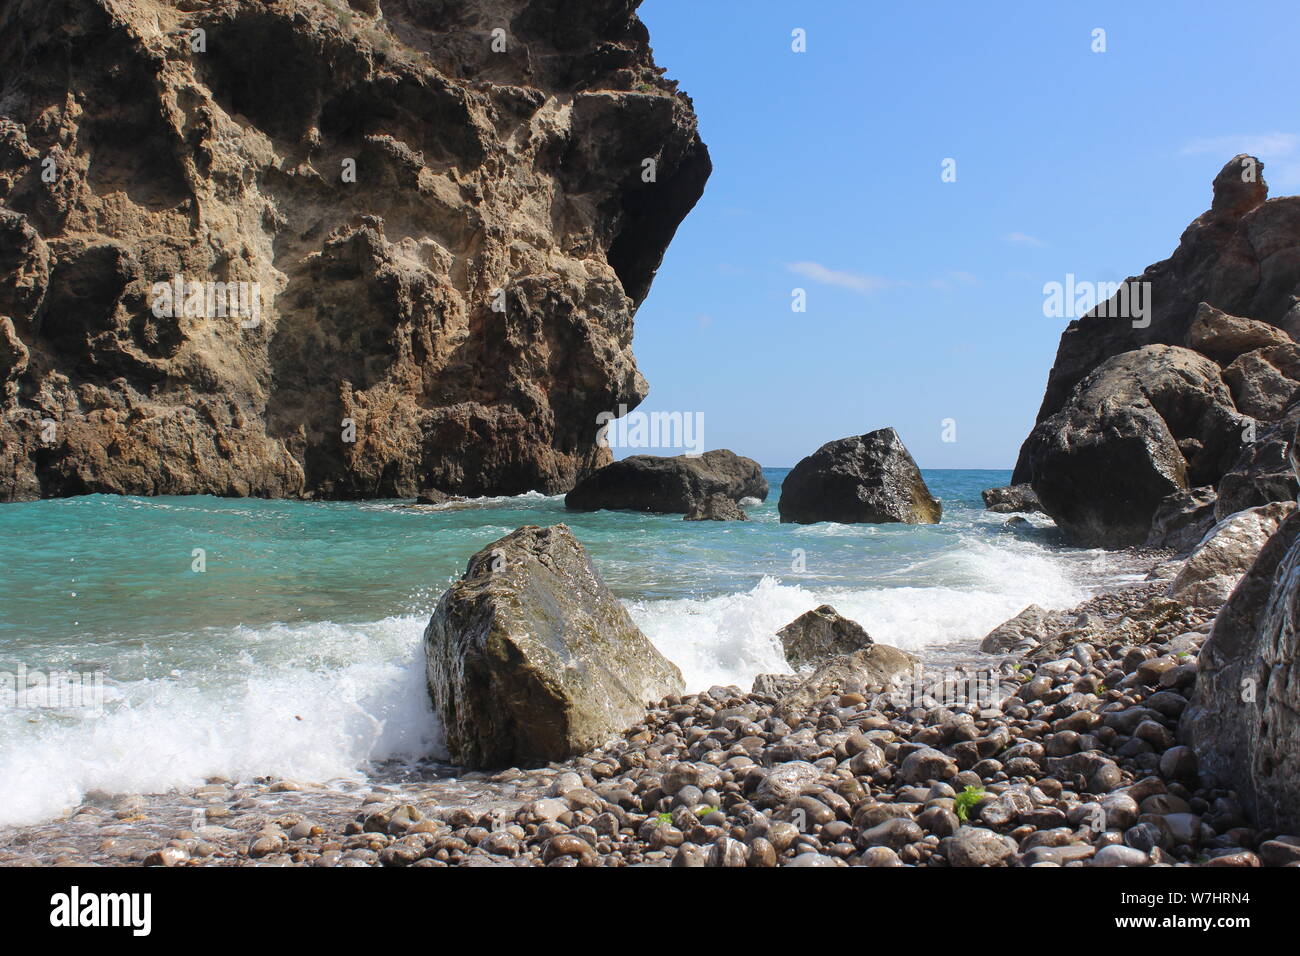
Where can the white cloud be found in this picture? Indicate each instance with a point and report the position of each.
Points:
(1024, 239)
(954, 277)
(854, 281)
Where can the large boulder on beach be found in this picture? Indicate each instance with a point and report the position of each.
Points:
(1141, 426)
(868, 478)
(1011, 499)
(1243, 721)
(819, 634)
(1212, 570)
(675, 485)
(531, 659)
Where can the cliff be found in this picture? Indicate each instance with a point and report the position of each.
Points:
(303, 247)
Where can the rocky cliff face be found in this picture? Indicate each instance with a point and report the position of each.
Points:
(443, 215)
(1191, 393)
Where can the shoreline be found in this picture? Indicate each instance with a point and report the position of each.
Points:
(270, 821)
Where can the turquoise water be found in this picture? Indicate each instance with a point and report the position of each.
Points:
(289, 641)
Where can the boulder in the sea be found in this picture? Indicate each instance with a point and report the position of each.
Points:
(1182, 519)
(1212, 570)
(1011, 499)
(871, 670)
(1020, 634)
(531, 658)
(1138, 428)
(716, 508)
(867, 478)
(1224, 337)
(673, 485)
(1243, 720)
(820, 634)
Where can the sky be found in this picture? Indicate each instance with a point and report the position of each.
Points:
(924, 297)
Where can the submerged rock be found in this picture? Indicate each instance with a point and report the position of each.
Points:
(532, 659)
(676, 485)
(819, 634)
(869, 478)
(1212, 570)
(1011, 499)
(432, 496)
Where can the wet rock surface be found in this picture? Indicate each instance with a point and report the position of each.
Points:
(819, 634)
(1012, 499)
(532, 659)
(869, 478)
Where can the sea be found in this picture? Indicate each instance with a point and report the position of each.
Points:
(148, 644)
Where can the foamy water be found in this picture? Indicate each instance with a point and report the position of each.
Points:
(298, 651)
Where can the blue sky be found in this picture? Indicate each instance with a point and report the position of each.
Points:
(924, 297)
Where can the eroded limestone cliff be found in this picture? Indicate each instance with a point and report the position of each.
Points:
(445, 214)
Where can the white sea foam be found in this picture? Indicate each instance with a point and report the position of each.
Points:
(316, 701)
(337, 696)
(732, 638)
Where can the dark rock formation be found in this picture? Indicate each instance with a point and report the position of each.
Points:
(1010, 499)
(716, 508)
(1210, 573)
(1241, 257)
(1244, 718)
(445, 242)
(869, 478)
(1141, 426)
(1182, 519)
(819, 634)
(1262, 471)
(532, 659)
(673, 485)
